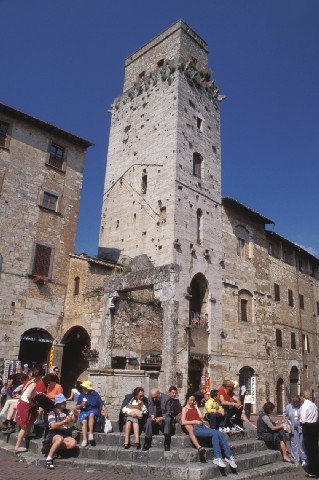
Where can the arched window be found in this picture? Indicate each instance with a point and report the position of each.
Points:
(199, 226)
(197, 165)
(76, 286)
(242, 235)
(244, 306)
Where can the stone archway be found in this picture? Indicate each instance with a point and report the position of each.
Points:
(294, 381)
(246, 375)
(76, 343)
(35, 345)
(280, 395)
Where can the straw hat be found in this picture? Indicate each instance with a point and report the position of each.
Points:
(86, 384)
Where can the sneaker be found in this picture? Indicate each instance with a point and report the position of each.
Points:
(221, 429)
(91, 437)
(238, 428)
(84, 443)
(226, 430)
(231, 462)
(219, 462)
(49, 464)
(303, 463)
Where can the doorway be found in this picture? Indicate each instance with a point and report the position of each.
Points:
(294, 381)
(74, 362)
(35, 346)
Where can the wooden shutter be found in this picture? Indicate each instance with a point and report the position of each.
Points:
(42, 259)
(243, 307)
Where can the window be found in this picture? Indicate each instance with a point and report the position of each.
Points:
(1, 261)
(244, 310)
(42, 260)
(160, 63)
(305, 344)
(197, 165)
(293, 340)
(56, 159)
(194, 60)
(241, 247)
(270, 249)
(278, 337)
(290, 298)
(317, 308)
(199, 123)
(277, 292)
(300, 265)
(76, 286)
(142, 74)
(199, 226)
(163, 215)
(50, 201)
(301, 301)
(4, 127)
(144, 181)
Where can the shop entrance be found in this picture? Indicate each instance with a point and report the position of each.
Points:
(35, 345)
(74, 362)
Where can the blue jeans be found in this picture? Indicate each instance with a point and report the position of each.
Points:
(219, 441)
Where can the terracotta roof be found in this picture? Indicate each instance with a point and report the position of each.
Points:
(234, 203)
(96, 261)
(5, 109)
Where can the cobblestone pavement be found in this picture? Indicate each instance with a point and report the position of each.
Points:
(13, 469)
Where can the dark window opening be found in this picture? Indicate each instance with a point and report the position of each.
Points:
(199, 123)
(163, 214)
(160, 63)
(4, 127)
(293, 340)
(144, 181)
(290, 298)
(244, 310)
(76, 286)
(142, 74)
(278, 337)
(42, 260)
(305, 343)
(199, 226)
(197, 165)
(317, 308)
(277, 292)
(49, 201)
(301, 301)
(118, 362)
(117, 223)
(56, 156)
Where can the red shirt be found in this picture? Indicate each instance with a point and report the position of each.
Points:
(222, 391)
(192, 414)
(40, 387)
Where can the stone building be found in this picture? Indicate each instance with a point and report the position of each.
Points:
(41, 169)
(187, 286)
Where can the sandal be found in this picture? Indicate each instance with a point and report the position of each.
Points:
(126, 446)
(49, 464)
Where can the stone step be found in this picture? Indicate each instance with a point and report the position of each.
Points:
(184, 455)
(194, 471)
(274, 469)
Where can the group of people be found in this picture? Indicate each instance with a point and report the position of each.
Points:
(299, 425)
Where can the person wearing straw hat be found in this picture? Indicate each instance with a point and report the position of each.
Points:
(90, 404)
(60, 435)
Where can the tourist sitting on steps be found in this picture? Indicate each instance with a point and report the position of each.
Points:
(134, 411)
(176, 407)
(160, 418)
(231, 405)
(59, 436)
(192, 421)
(214, 412)
(273, 435)
(89, 404)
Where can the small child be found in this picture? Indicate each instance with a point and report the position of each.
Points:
(248, 400)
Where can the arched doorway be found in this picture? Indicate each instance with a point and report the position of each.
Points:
(76, 341)
(35, 346)
(294, 381)
(198, 307)
(280, 395)
(248, 380)
(195, 373)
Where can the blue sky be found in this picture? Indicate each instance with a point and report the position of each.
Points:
(63, 62)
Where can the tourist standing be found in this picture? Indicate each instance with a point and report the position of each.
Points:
(292, 411)
(26, 413)
(310, 431)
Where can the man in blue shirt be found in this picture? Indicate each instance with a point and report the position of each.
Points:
(90, 405)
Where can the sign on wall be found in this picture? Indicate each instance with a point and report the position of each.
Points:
(253, 389)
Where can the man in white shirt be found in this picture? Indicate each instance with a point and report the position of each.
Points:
(310, 430)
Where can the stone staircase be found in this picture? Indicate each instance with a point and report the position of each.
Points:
(182, 462)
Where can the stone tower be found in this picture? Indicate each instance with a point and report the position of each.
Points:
(162, 194)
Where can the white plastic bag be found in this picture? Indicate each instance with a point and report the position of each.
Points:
(108, 426)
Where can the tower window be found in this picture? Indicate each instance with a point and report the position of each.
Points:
(76, 286)
(305, 343)
(199, 226)
(163, 215)
(241, 247)
(160, 63)
(293, 340)
(56, 156)
(278, 337)
(194, 60)
(50, 201)
(117, 223)
(277, 292)
(301, 301)
(244, 310)
(199, 123)
(197, 165)
(290, 298)
(142, 74)
(42, 260)
(144, 181)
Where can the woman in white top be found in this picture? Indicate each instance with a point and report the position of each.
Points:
(134, 411)
(26, 413)
(248, 400)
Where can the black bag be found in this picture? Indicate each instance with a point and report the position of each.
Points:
(99, 423)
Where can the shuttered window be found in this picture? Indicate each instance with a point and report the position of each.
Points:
(42, 260)
(277, 292)
(278, 337)
(301, 301)
(290, 298)
(293, 340)
(197, 165)
(244, 310)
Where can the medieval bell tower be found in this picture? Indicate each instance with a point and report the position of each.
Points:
(162, 194)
